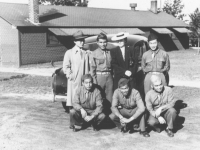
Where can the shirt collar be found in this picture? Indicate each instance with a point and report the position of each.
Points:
(123, 48)
(77, 49)
(155, 51)
(102, 51)
(85, 91)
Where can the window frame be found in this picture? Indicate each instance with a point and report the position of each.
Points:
(48, 44)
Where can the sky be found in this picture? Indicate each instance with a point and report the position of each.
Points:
(190, 5)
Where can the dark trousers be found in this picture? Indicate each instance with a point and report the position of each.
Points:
(127, 113)
(169, 116)
(76, 118)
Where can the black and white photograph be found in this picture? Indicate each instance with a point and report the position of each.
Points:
(99, 74)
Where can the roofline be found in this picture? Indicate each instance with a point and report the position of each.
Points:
(106, 26)
(7, 21)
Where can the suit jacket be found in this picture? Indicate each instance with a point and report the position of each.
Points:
(120, 66)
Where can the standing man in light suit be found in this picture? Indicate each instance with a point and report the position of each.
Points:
(75, 65)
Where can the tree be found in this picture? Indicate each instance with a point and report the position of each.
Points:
(195, 25)
(174, 8)
(65, 2)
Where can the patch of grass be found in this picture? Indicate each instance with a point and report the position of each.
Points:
(10, 75)
(185, 65)
(27, 85)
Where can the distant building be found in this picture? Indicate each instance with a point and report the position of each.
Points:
(32, 34)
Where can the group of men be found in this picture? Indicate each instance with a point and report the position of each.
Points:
(101, 84)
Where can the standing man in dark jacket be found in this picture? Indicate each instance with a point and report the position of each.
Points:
(123, 62)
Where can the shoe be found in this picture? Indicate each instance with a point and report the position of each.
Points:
(157, 129)
(73, 128)
(124, 129)
(95, 128)
(144, 133)
(136, 127)
(169, 132)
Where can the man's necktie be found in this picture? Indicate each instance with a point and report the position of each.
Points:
(105, 58)
(81, 53)
(87, 95)
(160, 99)
(153, 55)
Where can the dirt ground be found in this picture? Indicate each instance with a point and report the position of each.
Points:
(30, 121)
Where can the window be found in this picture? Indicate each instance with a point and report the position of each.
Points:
(52, 40)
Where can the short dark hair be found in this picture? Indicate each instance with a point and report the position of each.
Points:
(152, 37)
(102, 36)
(123, 81)
(86, 76)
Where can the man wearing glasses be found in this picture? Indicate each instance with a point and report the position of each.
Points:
(128, 108)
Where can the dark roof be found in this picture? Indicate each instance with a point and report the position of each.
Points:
(69, 16)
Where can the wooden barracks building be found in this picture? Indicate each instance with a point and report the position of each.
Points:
(35, 33)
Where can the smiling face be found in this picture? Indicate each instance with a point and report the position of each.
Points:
(102, 43)
(153, 44)
(157, 86)
(79, 43)
(87, 83)
(124, 89)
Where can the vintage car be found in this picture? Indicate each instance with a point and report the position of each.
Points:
(59, 80)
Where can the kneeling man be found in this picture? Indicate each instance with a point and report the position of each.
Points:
(87, 105)
(128, 108)
(160, 102)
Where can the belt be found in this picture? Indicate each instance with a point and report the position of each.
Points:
(103, 73)
(155, 72)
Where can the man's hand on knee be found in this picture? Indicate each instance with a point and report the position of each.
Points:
(158, 112)
(83, 113)
(88, 118)
(161, 120)
(124, 120)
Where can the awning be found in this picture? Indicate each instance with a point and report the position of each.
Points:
(86, 31)
(117, 30)
(57, 31)
(162, 30)
(94, 31)
(182, 30)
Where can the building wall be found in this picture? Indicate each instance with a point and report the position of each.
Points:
(34, 49)
(9, 45)
(183, 38)
(170, 42)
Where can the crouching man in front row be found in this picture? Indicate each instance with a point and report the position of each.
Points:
(87, 105)
(160, 102)
(128, 108)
